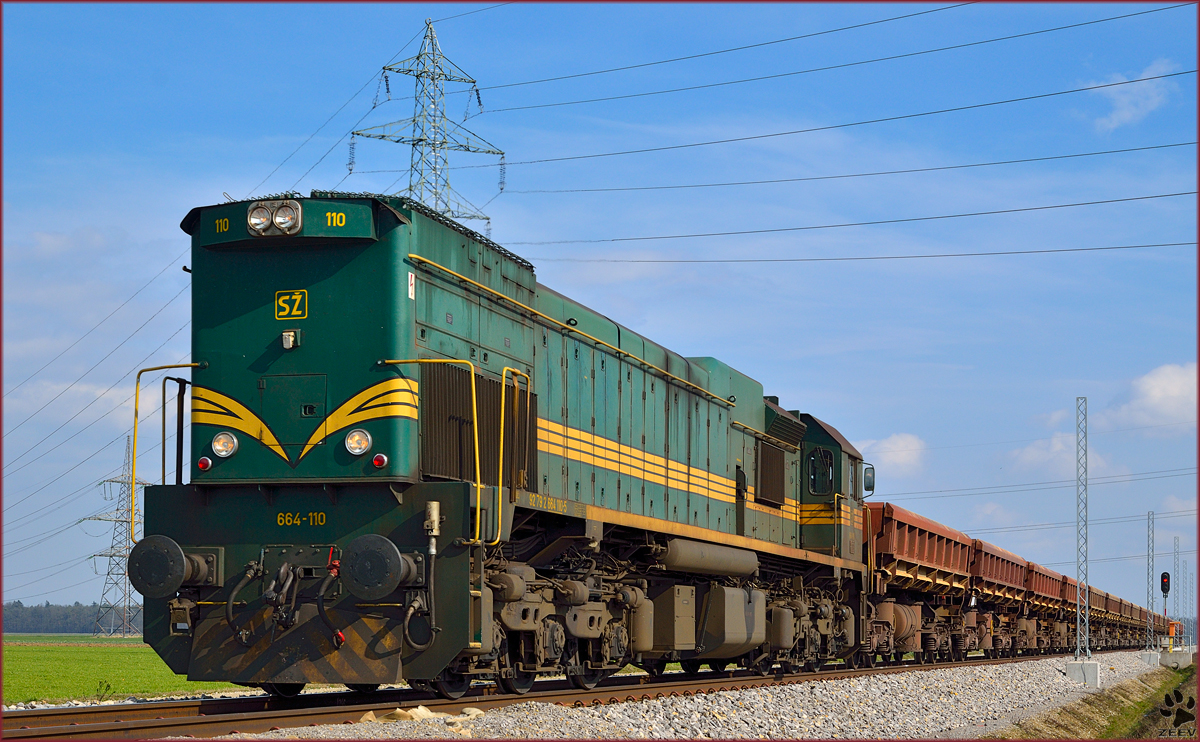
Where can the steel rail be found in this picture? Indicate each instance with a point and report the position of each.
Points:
(254, 714)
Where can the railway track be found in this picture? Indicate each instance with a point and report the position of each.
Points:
(218, 716)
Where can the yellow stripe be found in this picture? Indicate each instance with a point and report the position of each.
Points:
(613, 456)
(210, 407)
(394, 397)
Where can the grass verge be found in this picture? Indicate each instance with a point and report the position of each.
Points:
(1116, 712)
(55, 670)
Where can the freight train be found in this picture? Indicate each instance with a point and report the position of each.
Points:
(411, 461)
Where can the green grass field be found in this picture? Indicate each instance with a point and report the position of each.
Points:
(59, 667)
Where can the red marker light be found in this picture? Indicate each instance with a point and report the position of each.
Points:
(379, 461)
(205, 463)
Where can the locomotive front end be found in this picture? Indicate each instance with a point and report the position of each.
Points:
(305, 548)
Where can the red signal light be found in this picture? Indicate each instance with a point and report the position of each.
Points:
(379, 461)
(204, 464)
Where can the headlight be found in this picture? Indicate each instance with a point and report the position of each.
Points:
(358, 441)
(259, 219)
(286, 218)
(224, 444)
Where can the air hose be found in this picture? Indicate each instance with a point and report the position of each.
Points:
(252, 571)
(338, 637)
(413, 607)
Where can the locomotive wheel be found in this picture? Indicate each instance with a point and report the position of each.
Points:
(589, 679)
(691, 667)
(452, 687)
(363, 687)
(283, 690)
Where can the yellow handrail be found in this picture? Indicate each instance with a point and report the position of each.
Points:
(517, 415)
(474, 432)
(569, 328)
(137, 387)
(764, 436)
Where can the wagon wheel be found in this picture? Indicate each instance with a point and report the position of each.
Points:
(851, 661)
(763, 667)
(924, 658)
(814, 665)
(283, 690)
(520, 683)
(452, 686)
(363, 687)
(869, 660)
(691, 667)
(588, 680)
(717, 665)
(654, 668)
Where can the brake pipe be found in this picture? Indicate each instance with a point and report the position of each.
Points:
(334, 568)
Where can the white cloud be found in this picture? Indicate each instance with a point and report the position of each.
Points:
(1055, 456)
(898, 455)
(1164, 397)
(1132, 103)
(1052, 419)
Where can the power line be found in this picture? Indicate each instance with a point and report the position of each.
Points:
(1051, 481)
(1034, 440)
(56, 590)
(857, 257)
(980, 492)
(358, 92)
(829, 67)
(97, 325)
(1093, 522)
(722, 51)
(834, 177)
(470, 12)
(102, 360)
(8, 471)
(1120, 558)
(776, 230)
(829, 127)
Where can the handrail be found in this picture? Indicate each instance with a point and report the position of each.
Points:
(517, 415)
(137, 387)
(474, 431)
(764, 436)
(569, 328)
(162, 411)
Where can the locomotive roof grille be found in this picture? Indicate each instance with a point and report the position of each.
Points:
(420, 208)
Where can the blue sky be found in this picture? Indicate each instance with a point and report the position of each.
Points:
(957, 376)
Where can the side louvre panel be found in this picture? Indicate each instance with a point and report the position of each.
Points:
(447, 438)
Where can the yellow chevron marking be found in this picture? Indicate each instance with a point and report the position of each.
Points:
(210, 407)
(395, 397)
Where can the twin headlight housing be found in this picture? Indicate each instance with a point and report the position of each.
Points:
(358, 442)
(274, 217)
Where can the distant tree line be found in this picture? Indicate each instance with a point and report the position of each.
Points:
(55, 619)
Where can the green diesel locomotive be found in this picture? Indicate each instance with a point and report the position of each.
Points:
(412, 461)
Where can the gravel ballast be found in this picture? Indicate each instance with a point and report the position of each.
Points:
(947, 702)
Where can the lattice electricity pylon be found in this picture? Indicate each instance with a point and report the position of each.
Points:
(430, 133)
(119, 612)
(1150, 581)
(1082, 608)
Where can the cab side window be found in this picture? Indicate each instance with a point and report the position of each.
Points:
(820, 471)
